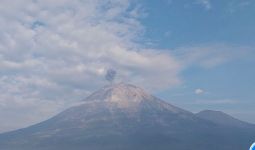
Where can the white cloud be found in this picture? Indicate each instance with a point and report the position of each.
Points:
(199, 91)
(53, 53)
(211, 55)
(236, 6)
(205, 3)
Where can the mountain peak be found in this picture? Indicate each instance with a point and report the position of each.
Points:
(122, 94)
(131, 98)
(222, 118)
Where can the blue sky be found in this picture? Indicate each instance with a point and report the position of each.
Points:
(229, 86)
(196, 54)
(175, 23)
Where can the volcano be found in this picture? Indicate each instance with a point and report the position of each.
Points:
(125, 117)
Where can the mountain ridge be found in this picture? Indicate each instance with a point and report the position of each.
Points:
(222, 118)
(127, 95)
(123, 116)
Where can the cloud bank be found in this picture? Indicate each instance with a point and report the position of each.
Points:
(53, 53)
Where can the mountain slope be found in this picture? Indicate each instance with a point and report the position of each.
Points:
(123, 116)
(221, 118)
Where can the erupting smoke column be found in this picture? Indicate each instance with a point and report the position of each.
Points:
(110, 75)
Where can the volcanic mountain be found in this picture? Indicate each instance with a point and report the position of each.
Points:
(125, 117)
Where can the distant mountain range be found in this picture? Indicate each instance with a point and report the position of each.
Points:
(125, 117)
